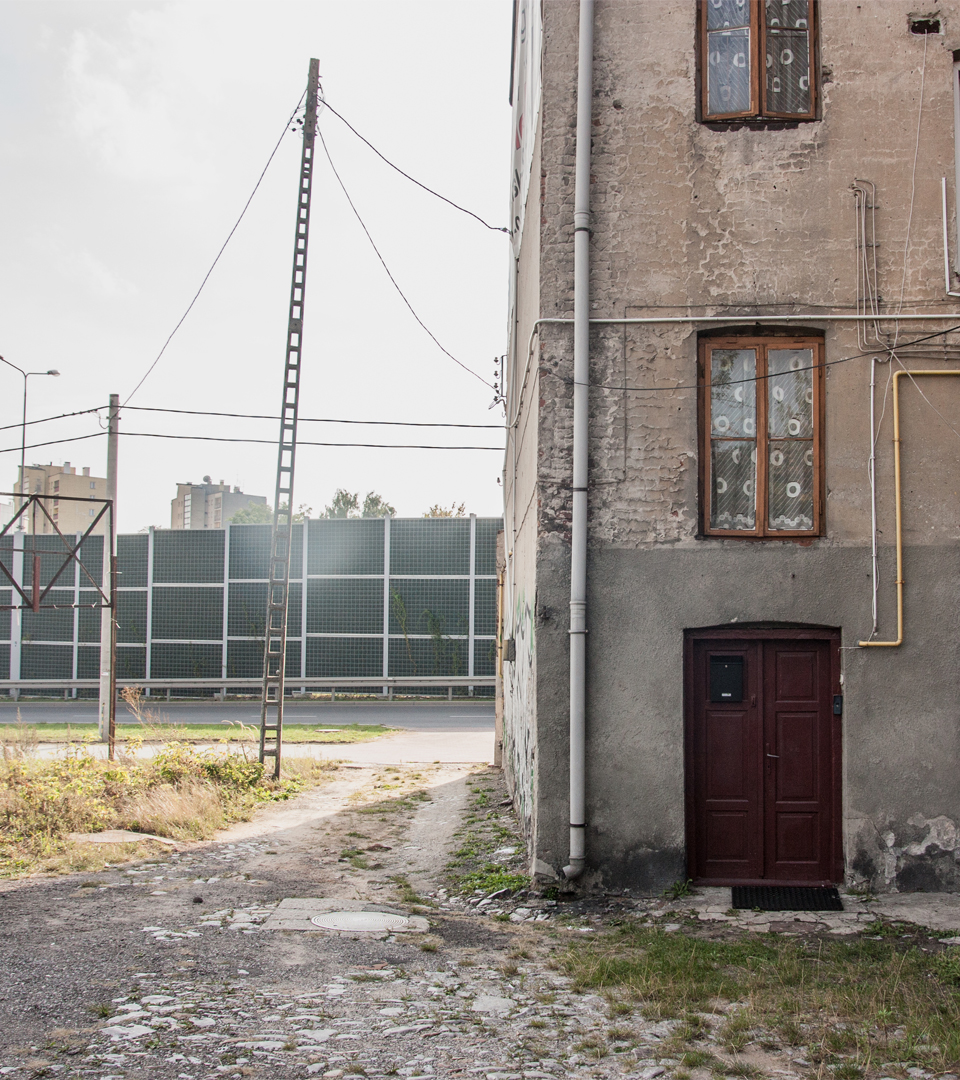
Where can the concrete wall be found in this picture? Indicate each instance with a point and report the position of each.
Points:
(690, 219)
(521, 512)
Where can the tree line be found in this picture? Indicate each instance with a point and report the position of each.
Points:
(345, 504)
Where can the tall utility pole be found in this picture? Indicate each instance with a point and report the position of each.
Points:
(275, 636)
(108, 615)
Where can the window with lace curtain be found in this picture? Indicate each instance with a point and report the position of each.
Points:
(757, 59)
(761, 422)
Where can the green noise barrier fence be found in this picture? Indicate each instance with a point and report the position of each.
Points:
(396, 599)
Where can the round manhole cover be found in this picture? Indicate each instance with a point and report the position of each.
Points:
(361, 920)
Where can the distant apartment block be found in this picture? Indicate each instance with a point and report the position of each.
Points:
(61, 486)
(208, 505)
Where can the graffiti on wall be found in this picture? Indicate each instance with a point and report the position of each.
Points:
(519, 711)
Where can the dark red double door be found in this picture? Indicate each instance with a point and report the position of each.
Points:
(763, 754)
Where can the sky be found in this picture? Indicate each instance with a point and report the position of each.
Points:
(131, 136)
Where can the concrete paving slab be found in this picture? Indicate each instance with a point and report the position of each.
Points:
(939, 912)
(297, 913)
(935, 911)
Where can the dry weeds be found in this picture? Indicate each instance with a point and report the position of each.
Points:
(180, 793)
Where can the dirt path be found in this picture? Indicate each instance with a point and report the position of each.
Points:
(163, 969)
(168, 970)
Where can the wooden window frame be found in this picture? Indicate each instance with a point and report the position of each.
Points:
(761, 343)
(759, 109)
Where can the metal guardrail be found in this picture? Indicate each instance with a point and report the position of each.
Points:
(386, 685)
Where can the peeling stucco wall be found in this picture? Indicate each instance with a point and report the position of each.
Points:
(695, 219)
(917, 855)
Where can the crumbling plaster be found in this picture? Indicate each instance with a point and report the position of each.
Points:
(695, 219)
(688, 218)
(917, 855)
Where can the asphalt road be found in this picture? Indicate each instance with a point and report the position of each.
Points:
(411, 716)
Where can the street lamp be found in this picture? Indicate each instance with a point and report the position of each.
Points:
(23, 441)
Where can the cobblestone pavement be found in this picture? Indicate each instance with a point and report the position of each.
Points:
(165, 969)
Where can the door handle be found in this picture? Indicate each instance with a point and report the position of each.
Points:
(773, 755)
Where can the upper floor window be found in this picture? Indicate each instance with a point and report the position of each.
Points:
(762, 455)
(757, 59)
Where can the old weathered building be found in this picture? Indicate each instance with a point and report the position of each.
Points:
(772, 247)
(65, 489)
(209, 505)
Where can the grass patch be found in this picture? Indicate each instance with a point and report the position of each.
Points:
(408, 895)
(225, 732)
(488, 827)
(491, 878)
(893, 1001)
(735, 1032)
(679, 889)
(400, 804)
(697, 1059)
(593, 1046)
(180, 793)
(737, 1068)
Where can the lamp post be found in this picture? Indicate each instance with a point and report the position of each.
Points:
(23, 440)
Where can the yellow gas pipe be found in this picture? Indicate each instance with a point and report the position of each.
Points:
(896, 493)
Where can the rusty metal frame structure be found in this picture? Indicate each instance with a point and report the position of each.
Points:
(71, 547)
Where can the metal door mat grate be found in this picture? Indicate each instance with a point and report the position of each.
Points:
(786, 898)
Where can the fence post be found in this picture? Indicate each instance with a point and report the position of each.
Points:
(16, 616)
(386, 605)
(107, 698)
(148, 637)
(473, 595)
(226, 607)
(303, 603)
(76, 616)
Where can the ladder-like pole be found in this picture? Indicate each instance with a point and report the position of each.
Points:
(275, 635)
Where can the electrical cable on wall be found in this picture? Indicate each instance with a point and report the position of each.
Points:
(755, 378)
(913, 186)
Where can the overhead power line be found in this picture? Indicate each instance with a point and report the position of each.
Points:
(46, 419)
(270, 442)
(413, 180)
(52, 442)
(300, 442)
(314, 419)
(383, 263)
(206, 278)
(387, 446)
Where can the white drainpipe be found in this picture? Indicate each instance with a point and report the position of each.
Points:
(581, 414)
